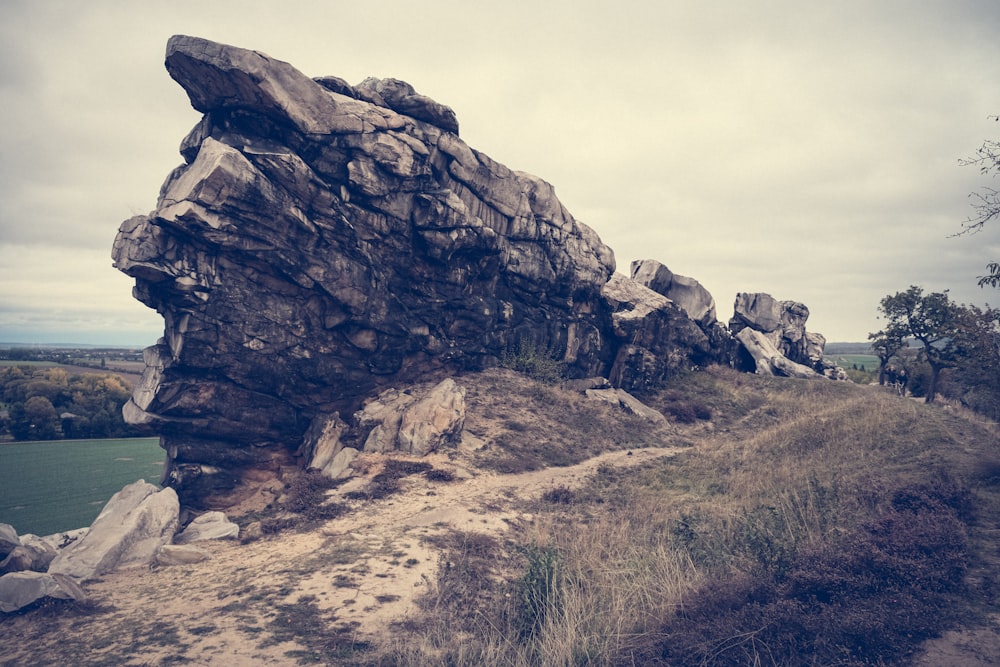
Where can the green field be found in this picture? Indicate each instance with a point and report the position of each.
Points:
(49, 487)
(869, 361)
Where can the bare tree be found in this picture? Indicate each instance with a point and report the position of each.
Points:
(986, 201)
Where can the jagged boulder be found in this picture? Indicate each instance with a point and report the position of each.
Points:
(623, 400)
(656, 338)
(20, 589)
(208, 526)
(783, 324)
(128, 532)
(33, 553)
(686, 292)
(768, 359)
(323, 242)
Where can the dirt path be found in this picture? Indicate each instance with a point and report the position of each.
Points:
(363, 570)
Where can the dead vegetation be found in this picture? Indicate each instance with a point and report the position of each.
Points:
(804, 523)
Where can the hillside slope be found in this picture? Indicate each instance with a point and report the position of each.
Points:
(563, 532)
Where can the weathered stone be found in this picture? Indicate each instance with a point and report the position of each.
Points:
(686, 292)
(620, 398)
(381, 418)
(339, 466)
(324, 242)
(434, 421)
(133, 525)
(208, 526)
(33, 554)
(657, 338)
(323, 440)
(180, 554)
(20, 589)
(770, 360)
(783, 323)
(8, 539)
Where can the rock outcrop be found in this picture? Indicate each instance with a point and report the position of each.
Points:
(128, 532)
(779, 335)
(686, 292)
(323, 243)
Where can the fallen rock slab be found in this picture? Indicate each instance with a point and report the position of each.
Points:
(128, 532)
(209, 526)
(180, 554)
(20, 589)
(8, 539)
(620, 398)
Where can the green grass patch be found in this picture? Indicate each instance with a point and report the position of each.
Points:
(54, 486)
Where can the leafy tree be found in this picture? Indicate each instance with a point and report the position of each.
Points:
(886, 344)
(35, 419)
(978, 373)
(934, 321)
(985, 202)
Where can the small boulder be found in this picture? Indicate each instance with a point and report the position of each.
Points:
(620, 398)
(128, 532)
(180, 554)
(34, 554)
(19, 589)
(209, 526)
(436, 420)
(8, 539)
(770, 360)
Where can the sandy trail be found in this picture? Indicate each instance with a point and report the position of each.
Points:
(363, 570)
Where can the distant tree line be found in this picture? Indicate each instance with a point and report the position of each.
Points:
(40, 403)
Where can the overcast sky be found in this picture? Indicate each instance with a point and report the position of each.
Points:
(809, 150)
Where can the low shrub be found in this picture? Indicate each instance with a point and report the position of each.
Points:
(560, 495)
(688, 412)
(868, 598)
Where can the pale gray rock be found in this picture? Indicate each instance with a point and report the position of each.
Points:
(686, 292)
(180, 554)
(757, 310)
(323, 242)
(783, 323)
(208, 526)
(8, 539)
(67, 537)
(406, 422)
(381, 419)
(434, 421)
(339, 466)
(620, 398)
(323, 440)
(657, 339)
(20, 589)
(33, 554)
(128, 532)
(769, 360)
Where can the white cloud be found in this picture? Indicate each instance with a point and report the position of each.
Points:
(805, 150)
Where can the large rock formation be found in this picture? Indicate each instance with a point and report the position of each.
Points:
(769, 328)
(324, 243)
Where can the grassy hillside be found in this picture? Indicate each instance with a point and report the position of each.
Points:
(793, 523)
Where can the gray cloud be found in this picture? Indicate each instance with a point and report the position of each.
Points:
(807, 151)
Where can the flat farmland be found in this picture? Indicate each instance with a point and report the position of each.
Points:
(55, 486)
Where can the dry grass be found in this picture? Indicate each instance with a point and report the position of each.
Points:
(798, 505)
(795, 476)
